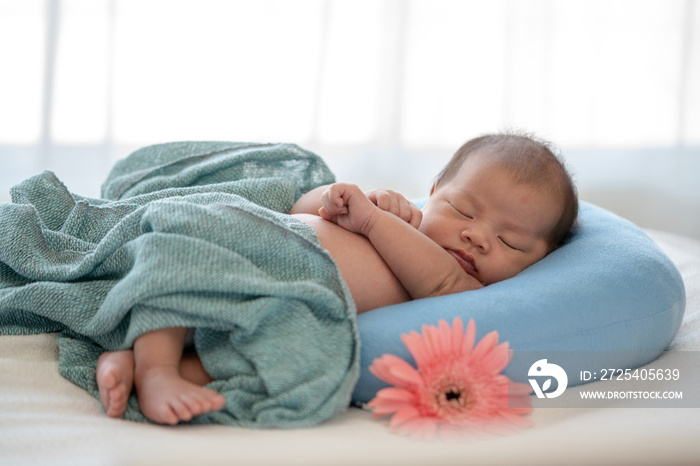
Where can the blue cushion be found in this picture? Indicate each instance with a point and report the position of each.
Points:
(608, 298)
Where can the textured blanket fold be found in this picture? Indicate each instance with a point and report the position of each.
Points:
(194, 235)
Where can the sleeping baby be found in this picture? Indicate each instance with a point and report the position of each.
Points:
(502, 203)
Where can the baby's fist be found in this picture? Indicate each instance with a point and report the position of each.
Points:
(397, 204)
(346, 205)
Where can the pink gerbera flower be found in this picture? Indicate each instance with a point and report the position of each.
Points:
(457, 387)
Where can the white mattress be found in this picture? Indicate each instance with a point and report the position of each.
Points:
(44, 419)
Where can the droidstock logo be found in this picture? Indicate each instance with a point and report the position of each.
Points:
(542, 369)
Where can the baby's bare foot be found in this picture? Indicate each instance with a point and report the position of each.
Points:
(115, 379)
(166, 398)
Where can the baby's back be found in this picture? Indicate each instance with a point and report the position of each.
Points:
(371, 281)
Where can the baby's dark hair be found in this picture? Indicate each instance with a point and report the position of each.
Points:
(532, 161)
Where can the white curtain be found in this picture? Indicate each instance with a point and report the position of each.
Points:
(378, 87)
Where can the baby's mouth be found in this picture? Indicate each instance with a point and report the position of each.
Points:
(465, 261)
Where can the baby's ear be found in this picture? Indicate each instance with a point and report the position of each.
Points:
(432, 188)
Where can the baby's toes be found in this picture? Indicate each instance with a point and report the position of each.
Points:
(107, 378)
(117, 402)
(216, 399)
(196, 403)
(181, 409)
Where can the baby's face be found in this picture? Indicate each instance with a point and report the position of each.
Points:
(493, 226)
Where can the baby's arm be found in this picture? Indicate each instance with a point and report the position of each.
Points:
(422, 266)
(309, 202)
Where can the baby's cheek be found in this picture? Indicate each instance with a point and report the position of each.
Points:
(503, 269)
(426, 227)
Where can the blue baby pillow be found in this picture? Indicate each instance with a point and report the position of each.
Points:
(609, 298)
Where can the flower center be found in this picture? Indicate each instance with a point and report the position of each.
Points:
(452, 398)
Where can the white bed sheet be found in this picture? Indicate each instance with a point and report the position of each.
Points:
(44, 419)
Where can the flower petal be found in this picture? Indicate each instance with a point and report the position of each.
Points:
(517, 388)
(487, 343)
(444, 339)
(496, 360)
(385, 407)
(403, 415)
(516, 421)
(450, 433)
(416, 346)
(396, 394)
(468, 427)
(469, 338)
(406, 374)
(457, 336)
(382, 368)
(426, 330)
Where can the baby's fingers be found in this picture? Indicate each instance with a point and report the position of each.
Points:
(332, 204)
(404, 210)
(384, 200)
(395, 203)
(410, 213)
(388, 201)
(416, 215)
(323, 213)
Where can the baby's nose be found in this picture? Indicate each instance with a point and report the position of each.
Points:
(477, 237)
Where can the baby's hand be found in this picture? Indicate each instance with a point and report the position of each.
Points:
(346, 205)
(396, 204)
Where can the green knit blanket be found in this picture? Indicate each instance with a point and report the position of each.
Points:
(189, 234)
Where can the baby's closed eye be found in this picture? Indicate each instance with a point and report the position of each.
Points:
(508, 244)
(462, 212)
